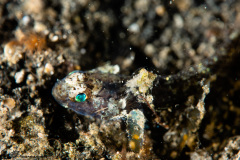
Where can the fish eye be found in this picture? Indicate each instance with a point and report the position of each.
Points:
(81, 97)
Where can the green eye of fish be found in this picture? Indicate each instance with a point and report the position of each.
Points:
(81, 97)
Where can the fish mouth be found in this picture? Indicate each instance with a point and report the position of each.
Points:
(59, 93)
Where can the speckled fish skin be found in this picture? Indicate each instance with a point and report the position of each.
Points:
(108, 95)
(104, 92)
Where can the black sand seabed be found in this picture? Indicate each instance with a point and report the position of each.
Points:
(42, 41)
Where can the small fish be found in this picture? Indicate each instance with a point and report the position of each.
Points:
(105, 95)
(133, 98)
